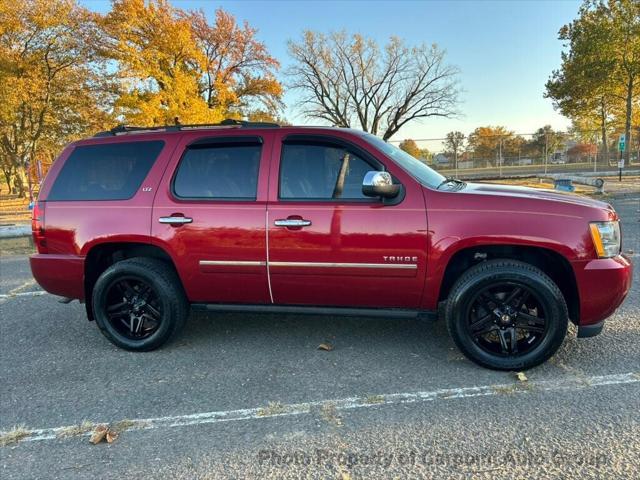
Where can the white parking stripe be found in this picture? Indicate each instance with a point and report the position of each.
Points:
(351, 403)
(36, 293)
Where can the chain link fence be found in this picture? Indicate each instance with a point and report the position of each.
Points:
(520, 155)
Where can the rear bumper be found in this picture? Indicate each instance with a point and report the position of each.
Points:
(603, 284)
(59, 274)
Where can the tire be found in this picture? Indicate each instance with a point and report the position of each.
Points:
(517, 336)
(147, 300)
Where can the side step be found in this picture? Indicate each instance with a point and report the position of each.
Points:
(311, 310)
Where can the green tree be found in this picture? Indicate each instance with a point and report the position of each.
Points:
(454, 143)
(600, 72)
(546, 141)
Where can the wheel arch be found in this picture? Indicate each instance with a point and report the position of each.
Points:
(102, 255)
(551, 262)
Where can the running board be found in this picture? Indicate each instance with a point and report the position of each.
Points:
(305, 310)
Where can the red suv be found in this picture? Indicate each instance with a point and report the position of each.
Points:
(144, 224)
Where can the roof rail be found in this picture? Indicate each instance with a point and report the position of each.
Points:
(227, 123)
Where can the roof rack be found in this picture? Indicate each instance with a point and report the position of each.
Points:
(227, 123)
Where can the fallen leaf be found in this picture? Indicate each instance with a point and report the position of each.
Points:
(522, 377)
(111, 436)
(325, 346)
(98, 434)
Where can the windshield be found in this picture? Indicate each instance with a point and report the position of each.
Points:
(418, 170)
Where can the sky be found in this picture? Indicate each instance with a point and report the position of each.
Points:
(505, 50)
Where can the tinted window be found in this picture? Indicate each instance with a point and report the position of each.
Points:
(218, 171)
(417, 169)
(111, 171)
(323, 172)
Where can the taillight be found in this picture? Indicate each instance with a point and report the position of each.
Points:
(37, 227)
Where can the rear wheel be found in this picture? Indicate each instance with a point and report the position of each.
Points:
(139, 303)
(506, 315)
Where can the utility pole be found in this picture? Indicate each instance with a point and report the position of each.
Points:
(500, 157)
(595, 159)
(546, 150)
(455, 159)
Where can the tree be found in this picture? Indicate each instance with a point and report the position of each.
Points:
(486, 142)
(454, 143)
(348, 80)
(53, 87)
(239, 73)
(546, 141)
(585, 95)
(173, 65)
(411, 147)
(602, 68)
(159, 64)
(580, 150)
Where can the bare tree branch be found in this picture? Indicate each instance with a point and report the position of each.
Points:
(348, 81)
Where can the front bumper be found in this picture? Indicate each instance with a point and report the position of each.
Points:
(59, 274)
(603, 285)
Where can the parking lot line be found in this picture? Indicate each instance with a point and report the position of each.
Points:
(36, 293)
(570, 383)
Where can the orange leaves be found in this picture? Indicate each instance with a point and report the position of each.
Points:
(239, 72)
(67, 72)
(173, 63)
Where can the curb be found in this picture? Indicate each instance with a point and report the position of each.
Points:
(15, 231)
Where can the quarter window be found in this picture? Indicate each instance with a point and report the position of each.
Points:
(321, 172)
(219, 172)
(112, 171)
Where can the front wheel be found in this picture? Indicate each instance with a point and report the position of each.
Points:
(139, 303)
(506, 315)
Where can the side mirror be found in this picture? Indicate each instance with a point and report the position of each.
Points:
(380, 184)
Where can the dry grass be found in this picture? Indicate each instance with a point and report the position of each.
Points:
(330, 414)
(127, 424)
(273, 408)
(373, 399)
(14, 435)
(16, 246)
(13, 209)
(512, 389)
(76, 430)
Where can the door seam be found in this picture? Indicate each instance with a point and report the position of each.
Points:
(266, 230)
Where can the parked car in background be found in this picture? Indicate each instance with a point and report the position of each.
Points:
(558, 158)
(523, 162)
(142, 224)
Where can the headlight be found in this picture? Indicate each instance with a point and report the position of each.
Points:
(606, 238)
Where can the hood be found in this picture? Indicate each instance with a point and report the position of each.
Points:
(534, 194)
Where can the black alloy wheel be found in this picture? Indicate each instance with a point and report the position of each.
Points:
(506, 319)
(506, 315)
(139, 303)
(133, 307)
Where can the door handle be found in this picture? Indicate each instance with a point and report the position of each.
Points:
(175, 220)
(292, 222)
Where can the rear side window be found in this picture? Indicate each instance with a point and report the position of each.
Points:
(219, 171)
(111, 171)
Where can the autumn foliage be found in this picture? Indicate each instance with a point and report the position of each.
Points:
(67, 72)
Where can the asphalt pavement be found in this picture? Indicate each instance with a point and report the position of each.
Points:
(252, 396)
